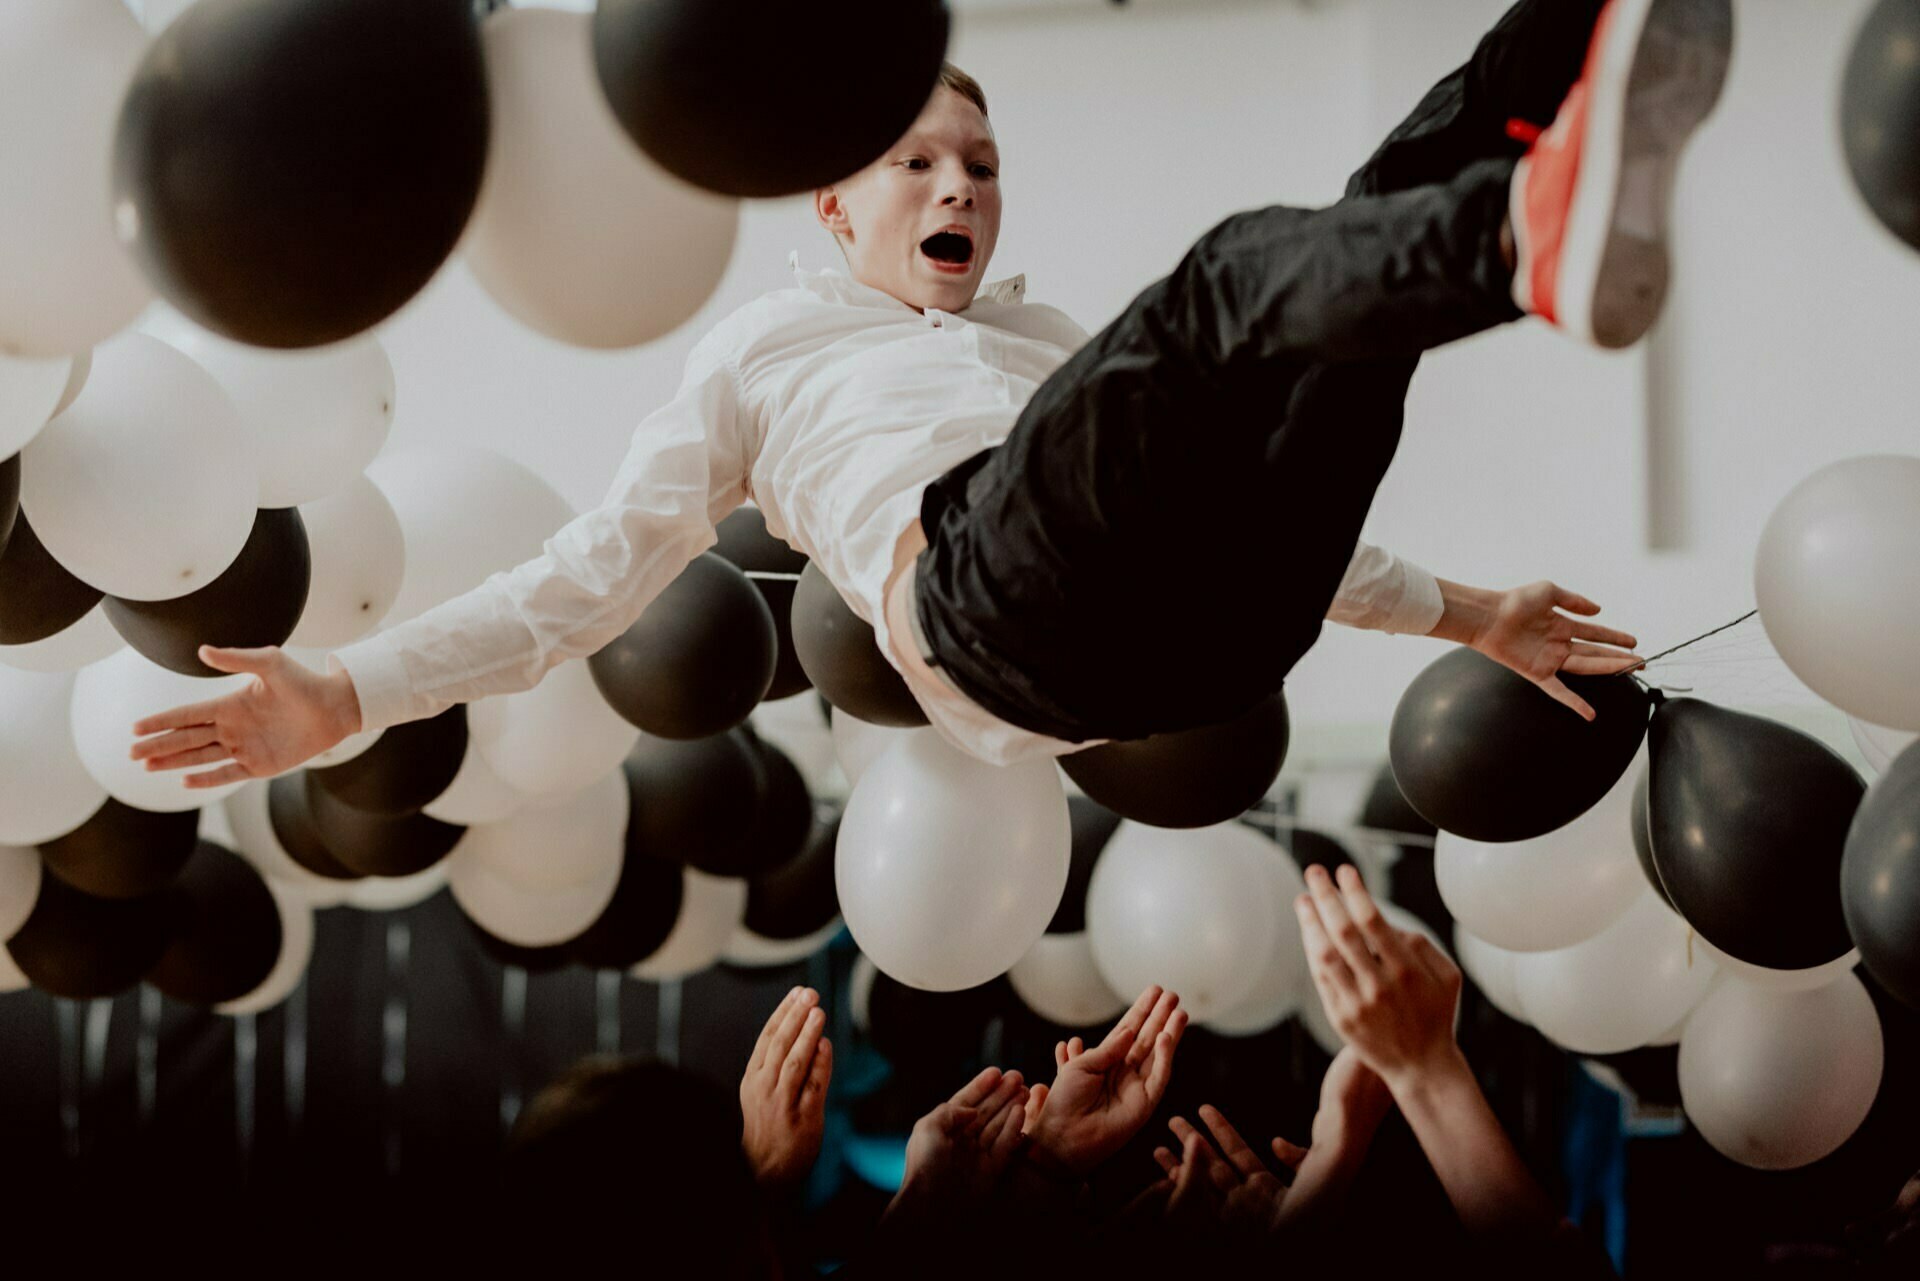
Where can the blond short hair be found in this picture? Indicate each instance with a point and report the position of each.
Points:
(951, 77)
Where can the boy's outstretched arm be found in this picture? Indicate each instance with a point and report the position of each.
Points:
(1521, 628)
(686, 469)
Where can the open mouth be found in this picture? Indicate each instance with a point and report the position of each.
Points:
(948, 250)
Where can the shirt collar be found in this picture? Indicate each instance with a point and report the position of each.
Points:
(838, 286)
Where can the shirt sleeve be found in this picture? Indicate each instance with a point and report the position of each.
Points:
(1384, 593)
(686, 469)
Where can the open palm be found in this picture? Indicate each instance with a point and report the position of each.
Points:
(1529, 635)
(286, 715)
(1101, 1097)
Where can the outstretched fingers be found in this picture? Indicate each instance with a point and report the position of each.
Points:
(1156, 1022)
(235, 773)
(1561, 694)
(1232, 1146)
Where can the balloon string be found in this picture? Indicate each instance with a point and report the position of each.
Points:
(1677, 648)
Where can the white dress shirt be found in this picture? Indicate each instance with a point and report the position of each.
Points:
(831, 405)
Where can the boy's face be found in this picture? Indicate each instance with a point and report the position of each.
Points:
(921, 222)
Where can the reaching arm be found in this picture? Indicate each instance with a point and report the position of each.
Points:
(687, 468)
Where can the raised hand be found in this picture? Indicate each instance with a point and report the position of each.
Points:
(1390, 994)
(1242, 1192)
(958, 1152)
(1526, 632)
(286, 715)
(1100, 1097)
(783, 1094)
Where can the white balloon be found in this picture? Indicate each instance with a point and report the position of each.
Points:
(87, 641)
(857, 744)
(577, 233)
(254, 840)
(44, 789)
(20, 871)
(296, 951)
(156, 14)
(515, 914)
(948, 868)
(860, 980)
(1878, 743)
(1058, 980)
(1776, 1080)
(1282, 984)
(11, 977)
(108, 698)
(1839, 587)
(1621, 988)
(748, 949)
(467, 513)
(30, 391)
(1551, 891)
(711, 909)
(64, 67)
(359, 558)
(1491, 969)
(146, 487)
(78, 372)
(1188, 910)
(392, 893)
(555, 738)
(558, 844)
(1778, 980)
(316, 417)
(476, 794)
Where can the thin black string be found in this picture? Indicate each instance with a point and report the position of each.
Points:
(1677, 648)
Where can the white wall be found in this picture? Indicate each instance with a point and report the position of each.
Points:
(1126, 133)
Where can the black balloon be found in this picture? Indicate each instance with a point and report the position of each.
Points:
(1880, 878)
(697, 661)
(406, 770)
(378, 844)
(696, 801)
(780, 827)
(1880, 116)
(78, 946)
(123, 852)
(1309, 848)
(645, 905)
(1642, 824)
(1387, 809)
(912, 1028)
(1484, 753)
(800, 896)
(713, 89)
(297, 172)
(38, 597)
(1194, 778)
(744, 541)
(1748, 819)
(1093, 826)
(841, 657)
(255, 602)
(225, 933)
(293, 826)
(9, 497)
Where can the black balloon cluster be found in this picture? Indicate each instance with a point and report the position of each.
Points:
(237, 119)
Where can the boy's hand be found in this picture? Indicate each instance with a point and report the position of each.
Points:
(288, 715)
(783, 1093)
(1523, 630)
(1390, 994)
(1102, 1096)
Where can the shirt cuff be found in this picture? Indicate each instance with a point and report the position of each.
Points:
(379, 681)
(1420, 607)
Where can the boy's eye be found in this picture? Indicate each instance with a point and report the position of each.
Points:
(985, 171)
(916, 162)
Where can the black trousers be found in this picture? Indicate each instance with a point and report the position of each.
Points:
(1158, 540)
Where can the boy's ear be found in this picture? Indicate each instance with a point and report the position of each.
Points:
(831, 212)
